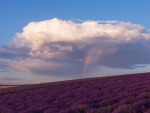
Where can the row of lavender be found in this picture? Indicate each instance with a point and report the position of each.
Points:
(18, 88)
(120, 94)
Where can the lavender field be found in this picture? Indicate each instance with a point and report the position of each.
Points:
(117, 94)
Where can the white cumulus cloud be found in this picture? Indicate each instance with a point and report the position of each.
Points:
(38, 34)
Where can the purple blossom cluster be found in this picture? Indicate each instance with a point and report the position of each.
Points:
(117, 94)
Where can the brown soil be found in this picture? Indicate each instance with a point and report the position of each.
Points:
(1, 87)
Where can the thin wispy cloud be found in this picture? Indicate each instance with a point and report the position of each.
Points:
(4, 67)
(65, 48)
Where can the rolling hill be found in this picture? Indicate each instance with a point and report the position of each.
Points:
(115, 94)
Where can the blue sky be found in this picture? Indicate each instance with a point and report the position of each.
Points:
(126, 14)
(15, 15)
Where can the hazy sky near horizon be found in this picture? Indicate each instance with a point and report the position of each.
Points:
(42, 41)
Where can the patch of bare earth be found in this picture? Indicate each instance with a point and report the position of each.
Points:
(2, 87)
